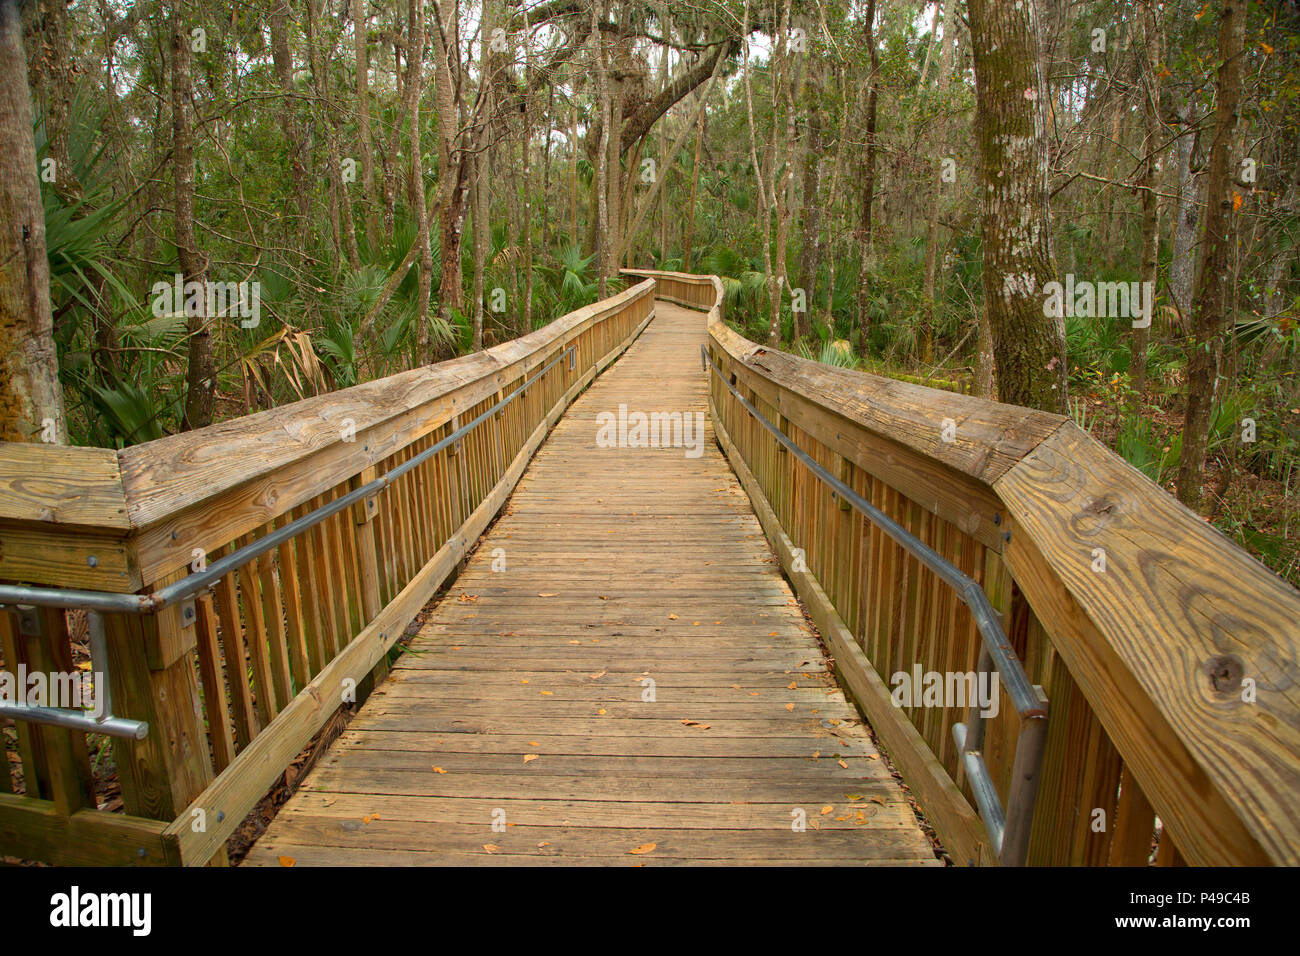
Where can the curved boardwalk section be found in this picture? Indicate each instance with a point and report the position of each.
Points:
(620, 675)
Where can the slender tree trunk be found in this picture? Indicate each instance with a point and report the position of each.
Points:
(695, 179)
(282, 60)
(782, 96)
(868, 183)
(201, 369)
(1210, 305)
(414, 90)
(31, 401)
(341, 202)
(1011, 127)
(810, 230)
(1148, 66)
(362, 50)
(453, 187)
(1182, 262)
(601, 179)
(926, 331)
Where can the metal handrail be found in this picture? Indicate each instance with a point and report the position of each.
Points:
(1009, 831)
(131, 603)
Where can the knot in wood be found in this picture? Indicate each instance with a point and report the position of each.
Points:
(1225, 673)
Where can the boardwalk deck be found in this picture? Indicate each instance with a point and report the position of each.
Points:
(521, 700)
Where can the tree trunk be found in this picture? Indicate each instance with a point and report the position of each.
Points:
(282, 60)
(601, 179)
(1182, 262)
(363, 122)
(31, 401)
(414, 90)
(1210, 305)
(926, 331)
(1011, 131)
(1148, 65)
(868, 183)
(452, 186)
(201, 369)
(810, 228)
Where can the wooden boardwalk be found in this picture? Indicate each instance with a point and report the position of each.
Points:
(525, 701)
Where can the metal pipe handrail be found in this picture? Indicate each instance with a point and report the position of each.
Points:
(131, 603)
(997, 652)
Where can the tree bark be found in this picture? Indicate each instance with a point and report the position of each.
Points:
(201, 368)
(30, 396)
(868, 182)
(361, 48)
(926, 331)
(1149, 64)
(1011, 131)
(414, 90)
(1210, 305)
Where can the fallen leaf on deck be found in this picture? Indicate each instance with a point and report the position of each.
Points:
(547, 593)
(287, 861)
(528, 757)
(695, 723)
(644, 848)
(827, 809)
(842, 764)
(438, 770)
(790, 707)
(491, 847)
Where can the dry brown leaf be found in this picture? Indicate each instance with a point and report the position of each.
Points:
(601, 711)
(827, 809)
(438, 770)
(491, 847)
(792, 686)
(644, 848)
(547, 593)
(528, 757)
(287, 861)
(547, 693)
(790, 707)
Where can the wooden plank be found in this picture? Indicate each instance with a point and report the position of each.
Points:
(215, 705)
(64, 485)
(55, 556)
(36, 830)
(1177, 605)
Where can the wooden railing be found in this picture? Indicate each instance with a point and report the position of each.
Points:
(1170, 657)
(234, 683)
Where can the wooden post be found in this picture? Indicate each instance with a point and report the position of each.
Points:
(163, 773)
